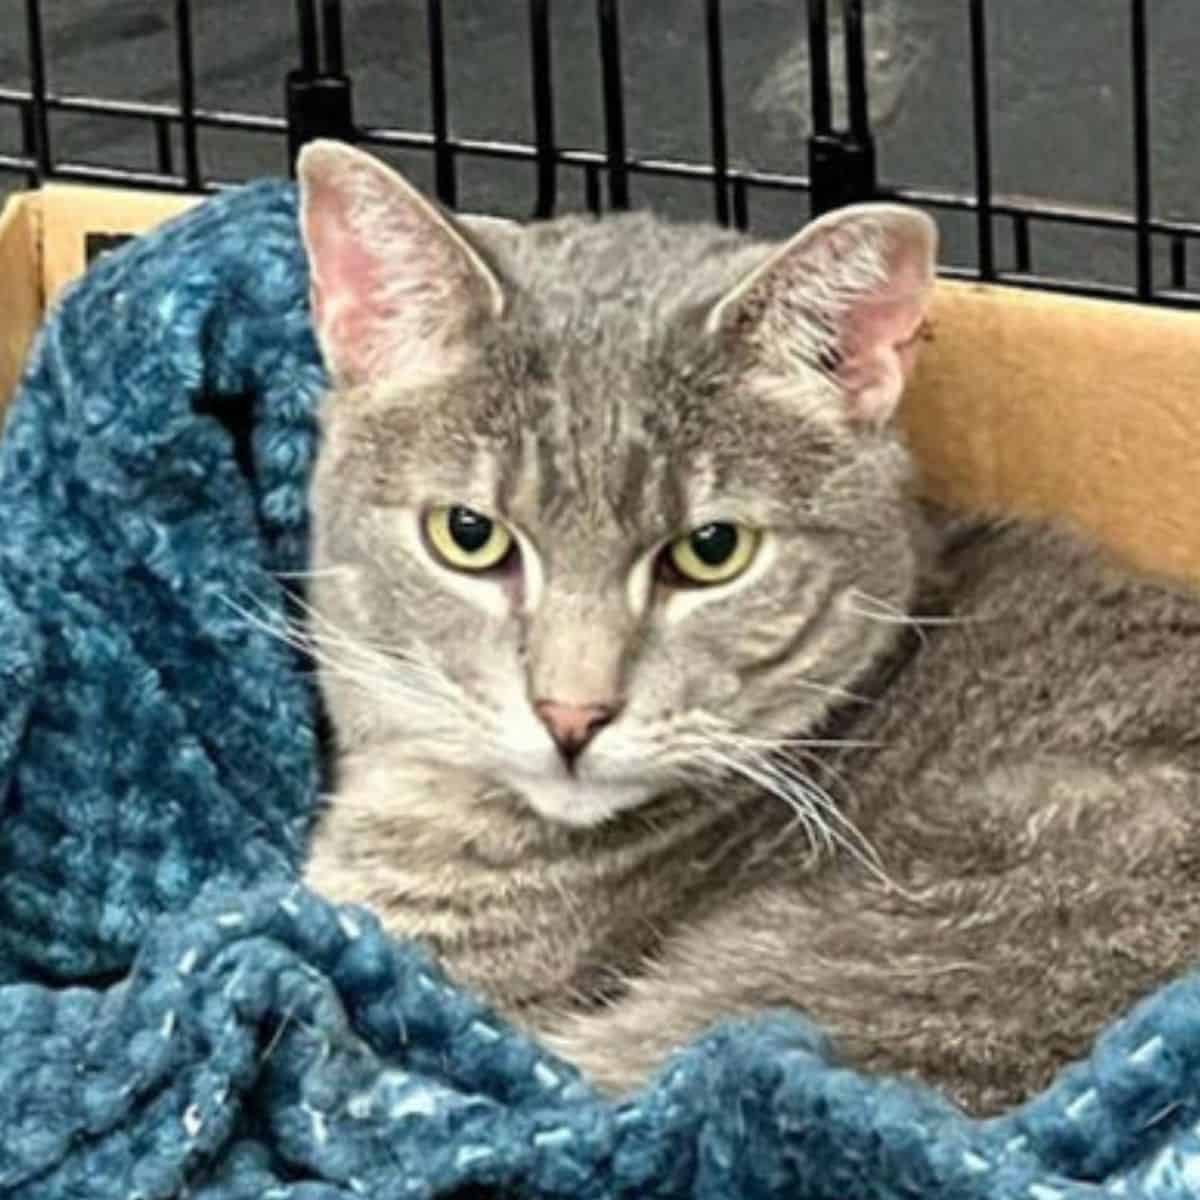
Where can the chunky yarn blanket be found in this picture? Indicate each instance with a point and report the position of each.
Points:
(178, 1015)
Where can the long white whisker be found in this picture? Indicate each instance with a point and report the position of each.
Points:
(783, 743)
(765, 762)
(318, 620)
(820, 797)
(307, 639)
(797, 787)
(439, 711)
(816, 830)
(853, 839)
(841, 828)
(875, 608)
(837, 693)
(321, 573)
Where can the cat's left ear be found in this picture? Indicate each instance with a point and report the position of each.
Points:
(396, 284)
(848, 294)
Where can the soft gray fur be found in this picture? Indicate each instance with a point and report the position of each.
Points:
(962, 863)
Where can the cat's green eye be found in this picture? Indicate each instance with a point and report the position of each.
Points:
(714, 553)
(467, 540)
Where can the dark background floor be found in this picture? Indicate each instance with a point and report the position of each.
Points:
(1060, 80)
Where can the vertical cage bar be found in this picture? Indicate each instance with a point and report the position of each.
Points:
(591, 189)
(841, 163)
(1021, 246)
(856, 68)
(445, 183)
(317, 96)
(163, 153)
(543, 107)
(983, 141)
(608, 16)
(331, 24)
(28, 142)
(1179, 263)
(187, 93)
(818, 62)
(40, 127)
(1141, 148)
(741, 206)
(716, 110)
(306, 23)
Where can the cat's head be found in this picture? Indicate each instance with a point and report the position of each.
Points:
(603, 506)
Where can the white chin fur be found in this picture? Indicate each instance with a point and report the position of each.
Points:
(579, 803)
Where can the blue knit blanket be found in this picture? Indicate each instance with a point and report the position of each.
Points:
(178, 1015)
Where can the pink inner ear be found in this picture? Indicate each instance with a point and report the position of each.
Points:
(393, 282)
(880, 334)
(879, 347)
(848, 293)
(345, 293)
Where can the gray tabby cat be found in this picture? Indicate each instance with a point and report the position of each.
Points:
(616, 566)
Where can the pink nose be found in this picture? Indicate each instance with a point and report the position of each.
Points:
(572, 726)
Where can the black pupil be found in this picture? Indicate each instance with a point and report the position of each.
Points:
(470, 530)
(714, 544)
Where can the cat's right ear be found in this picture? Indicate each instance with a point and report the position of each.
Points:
(395, 283)
(846, 297)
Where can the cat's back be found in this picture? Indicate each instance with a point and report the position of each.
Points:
(1031, 793)
(1058, 648)
(1044, 655)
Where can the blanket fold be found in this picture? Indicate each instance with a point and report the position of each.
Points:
(179, 1016)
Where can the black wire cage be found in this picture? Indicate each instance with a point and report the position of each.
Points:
(843, 65)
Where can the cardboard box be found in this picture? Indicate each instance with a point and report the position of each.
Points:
(1024, 402)
(47, 237)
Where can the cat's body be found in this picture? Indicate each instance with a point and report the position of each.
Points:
(997, 804)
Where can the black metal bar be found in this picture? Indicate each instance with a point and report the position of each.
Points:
(716, 110)
(591, 187)
(1171, 298)
(1141, 147)
(1179, 263)
(543, 107)
(444, 179)
(856, 69)
(741, 207)
(818, 63)
(608, 18)
(164, 154)
(1080, 216)
(1023, 250)
(28, 140)
(844, 158)
(319, 107)
(24, 163)
(140, 110)
(331, 24)
(1101, 291)
(317, 94)
(125, 176)
(187, 92)
(985, 233)
(942, 201)
(840, 164)
(1163, 298)
(948, 201)
(1089, 218)
(306, 24)
(519, 151)
(37, 87)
